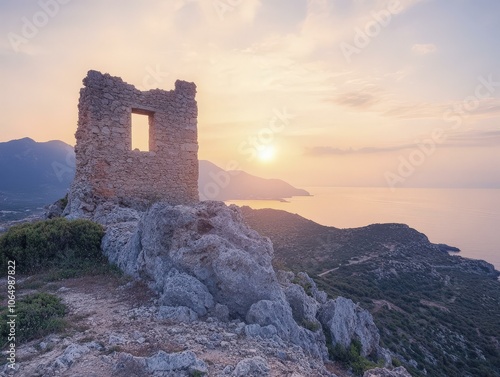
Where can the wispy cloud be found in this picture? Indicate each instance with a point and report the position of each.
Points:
(424, 49)
(486, 108)
(357, 99)
(322, 151)
(472, 138)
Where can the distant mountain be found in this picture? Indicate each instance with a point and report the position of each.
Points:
(30, 167)
(33, 174)
(217, 184)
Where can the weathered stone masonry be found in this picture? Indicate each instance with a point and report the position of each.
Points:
(106, 166)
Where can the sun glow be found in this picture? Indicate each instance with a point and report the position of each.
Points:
(267, 153)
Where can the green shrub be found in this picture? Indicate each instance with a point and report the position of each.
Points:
(52, 243)
(351, 357)
(38, 314)
(311, 325)
(196, 373)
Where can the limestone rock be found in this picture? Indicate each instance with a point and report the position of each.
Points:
(254, 330)
(179, 364)
(382, 372)
(221, 312)
(347, 321)
(72, 353)
(279, 315)
(310, 287)
(178, 314)
(252, 367)
(203, 257)
(56, 209)
(304, 307)
(184, 290)
(165, 362)
(208, 241)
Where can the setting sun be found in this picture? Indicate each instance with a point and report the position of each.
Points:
(267, 153)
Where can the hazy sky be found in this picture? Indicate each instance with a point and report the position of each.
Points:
(318, 92)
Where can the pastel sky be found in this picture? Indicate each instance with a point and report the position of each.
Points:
(402, 93)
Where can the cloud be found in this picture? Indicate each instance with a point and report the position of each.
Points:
(474, 138)
(485, 108)
(424, 49)
(362, 100)
(321, 151)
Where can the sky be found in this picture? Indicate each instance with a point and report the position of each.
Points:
(386, 93)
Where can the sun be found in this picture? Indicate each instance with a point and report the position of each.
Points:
(266, 153)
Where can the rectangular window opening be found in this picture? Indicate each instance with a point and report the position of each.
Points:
(140, 131)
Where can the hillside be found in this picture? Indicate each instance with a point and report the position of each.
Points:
(207, 301)
(217, 184)
(438, 312)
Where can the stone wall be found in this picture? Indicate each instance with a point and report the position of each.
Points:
(107, 169)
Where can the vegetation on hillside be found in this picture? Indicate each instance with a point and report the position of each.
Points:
(70, 244)
(37, 314)
(46, 251)
(438, 314)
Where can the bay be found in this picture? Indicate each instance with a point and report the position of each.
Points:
(466, 218)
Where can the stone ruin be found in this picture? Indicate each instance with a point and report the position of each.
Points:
(107, 169)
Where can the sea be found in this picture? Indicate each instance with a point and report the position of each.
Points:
(465, 218)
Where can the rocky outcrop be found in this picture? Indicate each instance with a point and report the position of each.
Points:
(177, 314)
(203, 260)
(255, 366)
(71, 354)
(379, 372)
(346, 321)
(204, 249)
(162, 363)
(206, 259)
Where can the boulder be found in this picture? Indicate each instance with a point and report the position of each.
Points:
(177, 313)
(257, 331)
(304, 307)
(279, 315)
(346, 321)
(208, 241)
(382, 372)
(183, 364)
(252, 367)
(181, 289)
(72, 353)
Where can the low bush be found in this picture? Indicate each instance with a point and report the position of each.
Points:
(38, 314)
(52, 243)
(351, 357)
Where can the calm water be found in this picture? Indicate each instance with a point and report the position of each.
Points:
(466, 218)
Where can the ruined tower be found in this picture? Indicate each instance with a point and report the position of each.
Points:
(107, 169)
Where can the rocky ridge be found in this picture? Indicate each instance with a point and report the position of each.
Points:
(215, 286)
(203, 260)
